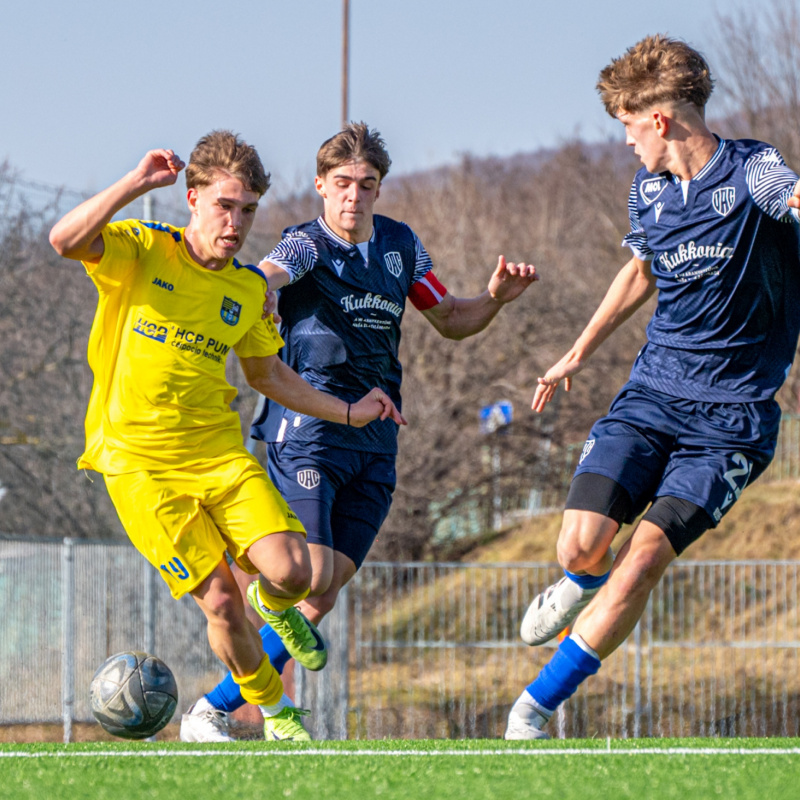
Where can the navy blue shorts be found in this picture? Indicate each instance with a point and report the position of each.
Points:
(657, 445)
(341, 496)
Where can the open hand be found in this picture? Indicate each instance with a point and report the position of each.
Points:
(568, 366)
(510, 280)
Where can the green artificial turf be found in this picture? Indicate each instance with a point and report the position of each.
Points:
(412, 770)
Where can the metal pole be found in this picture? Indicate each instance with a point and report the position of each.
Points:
(343, 701)
(497, 509)
(345, 61)
(67, 637)
(147, 207)
(637, 681)
(149, 609)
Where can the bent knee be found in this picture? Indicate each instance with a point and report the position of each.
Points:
(295, 579)
(319, 585)
(581, 545)
(646, 566)
(224, 608)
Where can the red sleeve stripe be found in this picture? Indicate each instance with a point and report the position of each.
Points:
(427, 292)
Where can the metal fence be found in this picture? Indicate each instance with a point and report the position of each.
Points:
(494, 508)
(420, 650)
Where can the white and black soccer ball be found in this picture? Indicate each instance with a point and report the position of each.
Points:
(133, 695)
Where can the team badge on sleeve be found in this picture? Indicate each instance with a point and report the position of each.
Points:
(230, 311)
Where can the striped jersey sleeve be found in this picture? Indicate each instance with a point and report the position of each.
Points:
(637, 238)
(296, 253)
(771, 183)
(426, 290)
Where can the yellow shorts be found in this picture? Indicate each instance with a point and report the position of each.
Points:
(183, 520)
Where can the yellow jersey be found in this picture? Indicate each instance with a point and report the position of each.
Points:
(161, 335)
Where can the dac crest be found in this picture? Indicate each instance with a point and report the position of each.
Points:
(308, 478)
(394, 263)
(230, 311)
(723, 200)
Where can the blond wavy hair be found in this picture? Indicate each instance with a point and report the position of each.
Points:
(224, 151)
(655, 70)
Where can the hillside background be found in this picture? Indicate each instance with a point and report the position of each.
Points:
(563, 210)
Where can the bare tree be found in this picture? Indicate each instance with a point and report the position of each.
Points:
(757, 53)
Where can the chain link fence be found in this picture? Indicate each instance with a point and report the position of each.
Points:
(419, 650)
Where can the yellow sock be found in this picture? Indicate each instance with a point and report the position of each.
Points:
(263, 687)
(274, 603)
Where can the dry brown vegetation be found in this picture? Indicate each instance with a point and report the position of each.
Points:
(764, 524)
(564, 210)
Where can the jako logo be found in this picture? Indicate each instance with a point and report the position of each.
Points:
(163, 284)
(308, 478)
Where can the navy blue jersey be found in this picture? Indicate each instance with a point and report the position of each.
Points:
(723, 249)
(341, 316)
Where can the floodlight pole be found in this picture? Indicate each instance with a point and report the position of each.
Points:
(345, 60)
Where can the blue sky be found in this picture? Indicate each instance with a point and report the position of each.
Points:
(88, 87)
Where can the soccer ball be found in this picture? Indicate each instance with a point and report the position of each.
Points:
(133, 695)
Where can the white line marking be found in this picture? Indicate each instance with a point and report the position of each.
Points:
(584, 751)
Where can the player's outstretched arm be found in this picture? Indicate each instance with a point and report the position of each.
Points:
(631, 288)
(77, 234)
(457, 318)
(270, 376)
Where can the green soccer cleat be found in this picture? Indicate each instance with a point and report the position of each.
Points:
(300, 637)
(286, 726)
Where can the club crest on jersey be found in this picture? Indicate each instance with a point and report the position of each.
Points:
(230, 311)
(394, 263)
(651, 189)
(723, 200)
(308, 478)
(587, 448)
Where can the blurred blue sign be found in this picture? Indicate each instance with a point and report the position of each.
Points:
(495, 416)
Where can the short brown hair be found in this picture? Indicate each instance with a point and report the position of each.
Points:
(224, 151)
(656, 70)
(355, 143)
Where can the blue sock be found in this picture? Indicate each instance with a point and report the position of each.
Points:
(588, 581)
(563, 674)
(226, 695)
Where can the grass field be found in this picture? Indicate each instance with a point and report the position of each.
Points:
(768, 769)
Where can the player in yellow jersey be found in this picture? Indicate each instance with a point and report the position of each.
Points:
(173, 303)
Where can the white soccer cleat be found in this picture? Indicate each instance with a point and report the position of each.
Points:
(554, 609)
(204, 723)
(525, 722)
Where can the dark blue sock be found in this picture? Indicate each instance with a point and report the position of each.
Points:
(588, 581)
(226, 695)
(563, 674)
